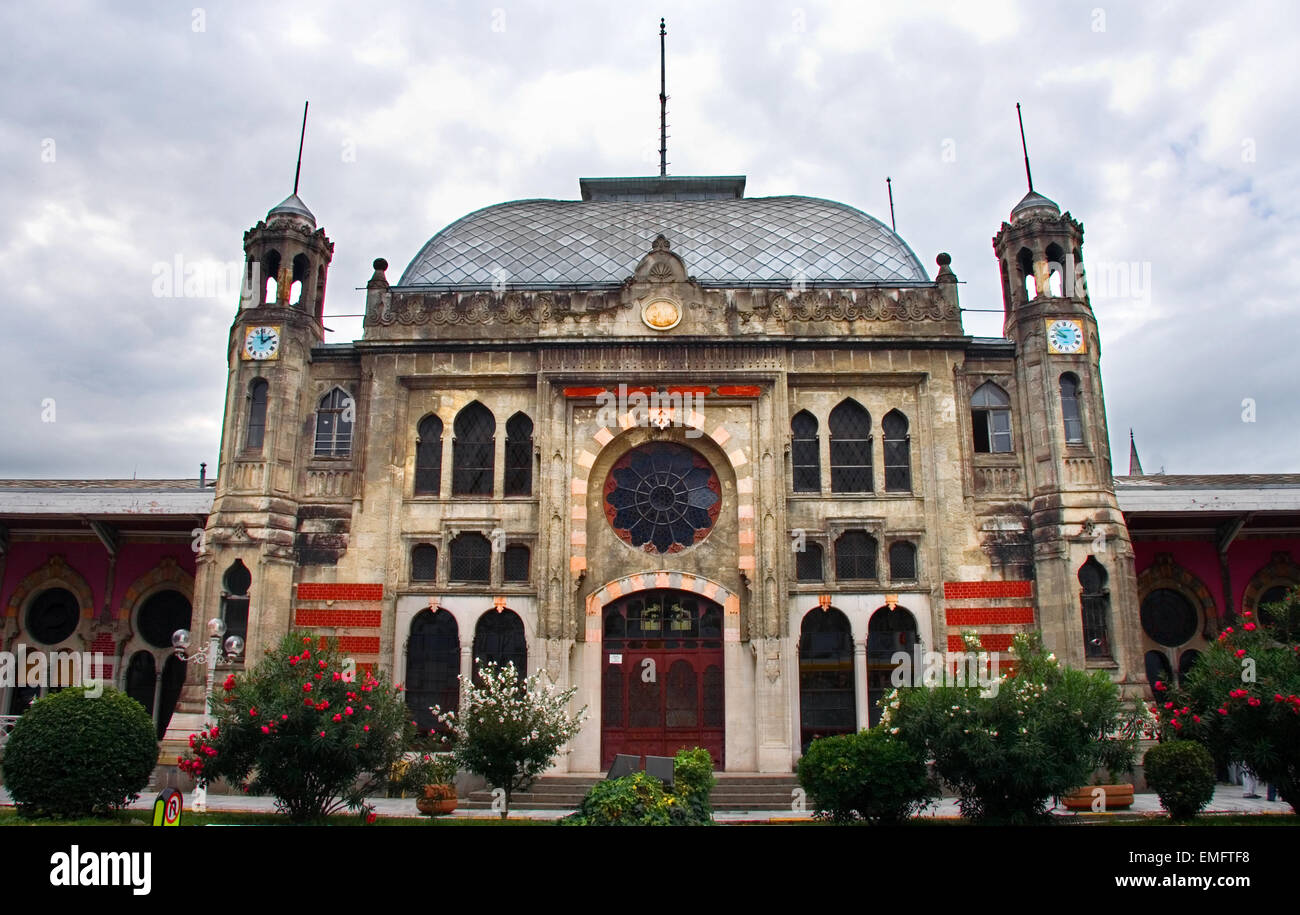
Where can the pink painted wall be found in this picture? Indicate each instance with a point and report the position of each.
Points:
(1245, 559)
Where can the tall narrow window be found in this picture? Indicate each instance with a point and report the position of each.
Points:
(473, 451)
(855, 555)
(898, 453)
(424, 562)
(428, 456)
(902, 561)
(808, 563)
(471, 559)
(1095, 598)
(990, 414)
(256, 430)
(850, 448)
(805, 453)
(516, 563)
(334, 418)
(519, 456)
(1070, 408)
(234, 610)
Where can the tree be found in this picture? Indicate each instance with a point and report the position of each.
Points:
(1242, 697)
(510, 730)
(303, 727)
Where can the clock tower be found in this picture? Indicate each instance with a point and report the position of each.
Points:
(1083, 559)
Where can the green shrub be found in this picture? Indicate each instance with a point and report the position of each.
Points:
(869, 776)
(71, 755)
(641, 800)
(693, 782)
(1182, 774)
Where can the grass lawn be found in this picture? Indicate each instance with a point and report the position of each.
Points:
(9, 817)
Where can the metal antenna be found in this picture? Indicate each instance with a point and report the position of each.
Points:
(298, 171)
(889, 185)
(1024, 148)
(663, 105)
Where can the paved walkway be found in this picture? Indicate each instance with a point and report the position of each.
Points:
(1227, 799)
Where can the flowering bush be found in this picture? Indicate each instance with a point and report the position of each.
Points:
(1008, 752)
(303, 727)
(1242, 698)
(511, 730)
(870, 775)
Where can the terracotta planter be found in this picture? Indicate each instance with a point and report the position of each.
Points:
(1118, 797)
(437, 800)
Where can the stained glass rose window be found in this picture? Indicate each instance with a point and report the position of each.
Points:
(662, 497)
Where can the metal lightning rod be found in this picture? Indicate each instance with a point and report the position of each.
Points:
(298, 171)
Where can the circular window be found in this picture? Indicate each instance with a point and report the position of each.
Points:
(162, 614)
(53, 616)
(1168, 618)
(662, 497)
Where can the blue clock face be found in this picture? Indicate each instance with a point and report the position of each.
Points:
(262, 342)
(1065, 337)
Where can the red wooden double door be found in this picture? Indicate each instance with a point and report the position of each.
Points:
(662, 685)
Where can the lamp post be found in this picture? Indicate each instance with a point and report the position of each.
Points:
(233, 648)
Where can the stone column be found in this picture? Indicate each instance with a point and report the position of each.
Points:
(860, 683)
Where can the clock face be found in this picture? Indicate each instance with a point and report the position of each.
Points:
(661, 314)
(1064, 336)
(261, 342)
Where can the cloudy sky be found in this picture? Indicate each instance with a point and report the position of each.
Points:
(135, 136)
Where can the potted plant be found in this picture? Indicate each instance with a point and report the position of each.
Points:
(436, 774)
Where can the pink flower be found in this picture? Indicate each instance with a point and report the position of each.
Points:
(1248, 627)
(322, 665)
(338, 717)
(1223, 711)
(365, 727)
(337, 676)
(1169, 705)
(284, 717)
(252, 712)
(1241, 652)
(322, 733)
(348, 710)
(1252, 701)
(1160, 685)
(1247, 613)
(265, 729)
(316, 676)
(368, 708)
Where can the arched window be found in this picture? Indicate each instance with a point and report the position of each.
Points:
(889, 632)
(334, 418)
(805, 453)
(301, 270)
(1095, 599)
(162, 614)
(827, 699)
(990, 413)
(473, 451)
(499, 638)
(432, 666)
(256, 430)
(1070, 408)
(471, 559)
(53, 616)
(234, 606)
(850, 425)
(855, 555)
(428, 456)
(519, 456)
(271, 283)
(808, 563)
(1025, 261)
(902, 561)
(141, 678)
(1055, 270)
(516, 562)
(898, 453)
(424, 562)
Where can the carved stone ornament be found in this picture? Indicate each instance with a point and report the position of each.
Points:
(661, 314)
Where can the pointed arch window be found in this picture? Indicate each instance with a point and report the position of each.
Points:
(855, 556)
(234, 605)
(334, 418)
(255, 432)
(471, 559)
(805, 453)
(990, 413)
(850, 426)
(519, 456)
(1070, 413)
(473, 451)
(902, 561)
(1095, 597)
(898, 453)
(428, 456)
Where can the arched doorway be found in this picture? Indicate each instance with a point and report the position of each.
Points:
(827, 705)
(432, 667)
(889, 631)
(499, 638)
(662, 687)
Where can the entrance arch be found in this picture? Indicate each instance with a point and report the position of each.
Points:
(827, 704)
(662, 681)
(888, 632)
(432, 666)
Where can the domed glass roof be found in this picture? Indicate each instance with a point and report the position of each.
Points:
(723, 238)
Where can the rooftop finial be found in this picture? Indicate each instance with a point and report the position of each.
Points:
(890, 187)
(1025, 148)
(1134, 464)
(298, 171)
(663, 104)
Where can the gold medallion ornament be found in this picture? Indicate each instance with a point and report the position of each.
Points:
(661, 314)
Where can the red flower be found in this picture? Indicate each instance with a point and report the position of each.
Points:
(306, 687)
(365, 727)
(1241, 652)
(1160, 685)
(252, 712)
(324, 705)
(338, 717)
(1223, 711)
(322, 664)
(1247, 613)
(322, 733)
(337, 676)
(284, 717)
(1169, 705)
(230, 683)
(371, 818)
(1196, 718)
(293, 662)
(348, 710)
(307, 702)
(306, 640)
(1252, 701)
(265, 729)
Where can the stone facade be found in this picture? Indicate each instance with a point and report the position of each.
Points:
(1001, 518)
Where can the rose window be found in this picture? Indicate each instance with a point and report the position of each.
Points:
(662, 497)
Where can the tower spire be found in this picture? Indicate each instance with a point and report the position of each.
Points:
(663, 104)
(1134, 464)
(1029, 177)
(302, 136)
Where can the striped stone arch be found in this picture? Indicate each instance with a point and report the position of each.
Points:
(1280, 569)
(1165, 572)
(648, 581)
(585, 459)
(55, 573)
(167, 574)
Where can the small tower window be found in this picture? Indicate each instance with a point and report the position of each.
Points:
(855, 555)
(805, 453)
(990, 412)
(301, 270)
(428, 456)
(334, 419)
(808, 563)
(1095, 598)
(898, 453)
(234, 604)
(850, 425)
(424, 562)
(271, 287)
(473, 451)
(1055, 270)
(1025, 261)
(471, 559)
(256, 429)
(1070, 408)
(516, 563)
(519, 456)
(902, 561)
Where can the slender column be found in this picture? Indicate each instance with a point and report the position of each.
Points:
(860, 683)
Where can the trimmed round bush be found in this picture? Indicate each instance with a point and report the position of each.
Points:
(73, 755)
(1182, 774)
(867, 776)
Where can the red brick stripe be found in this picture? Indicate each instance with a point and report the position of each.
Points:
(965, 590)
(739, 390)
(362, 644)
(700, 390)
(354, 619)
(583, 392)
(989, 640)
(308, 590)
(990, 616)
